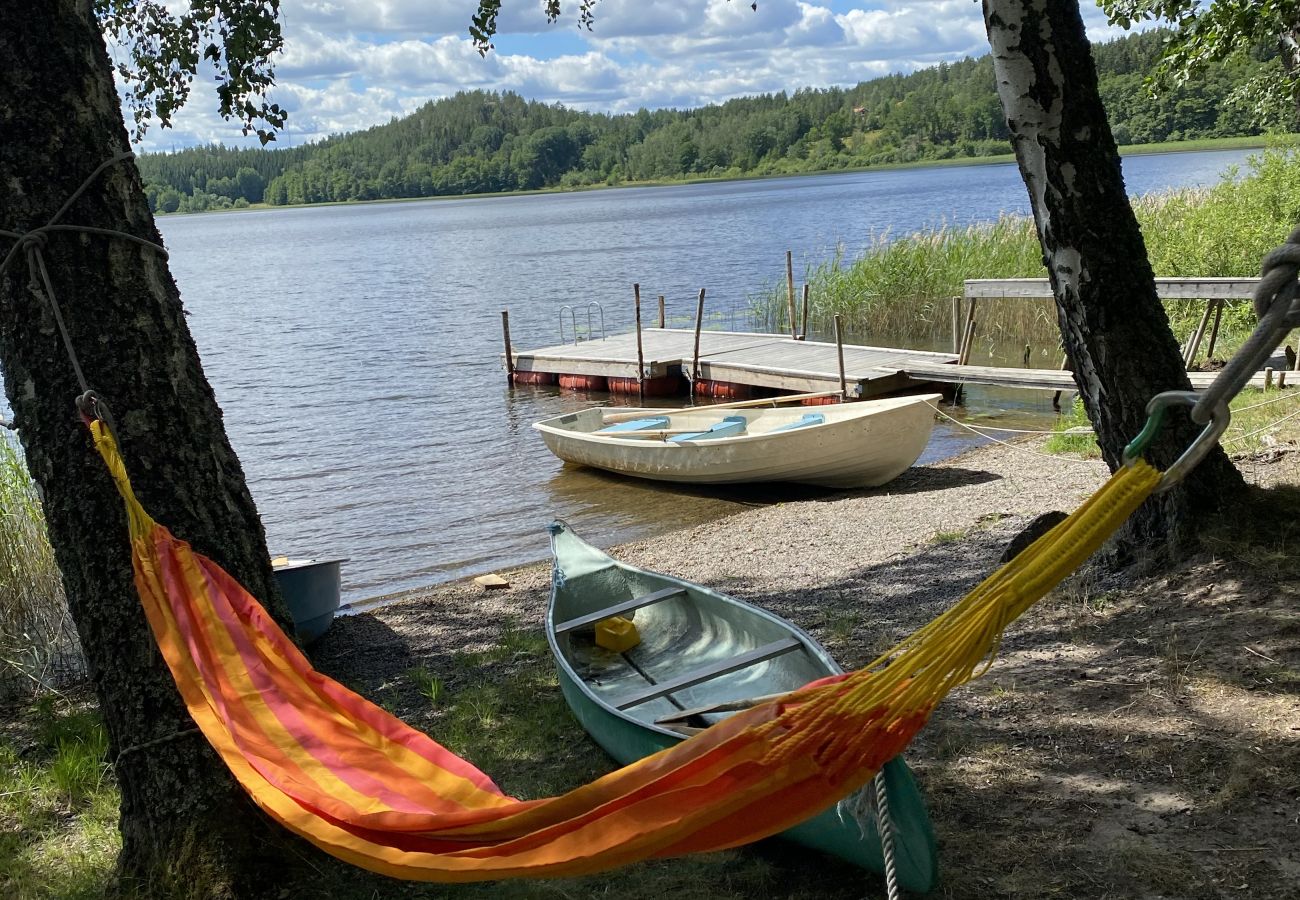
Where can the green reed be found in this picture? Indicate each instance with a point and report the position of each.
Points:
(903, 287)
(38, 644)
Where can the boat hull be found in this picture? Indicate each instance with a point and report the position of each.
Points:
(583, 572)
(858, 445)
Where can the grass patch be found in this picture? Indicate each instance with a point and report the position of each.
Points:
(841, 623)
(58, 802)
(1072, 434)
(502, 709)
(1263, 419)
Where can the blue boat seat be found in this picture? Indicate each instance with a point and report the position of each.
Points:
(728, 427)
(806, 420)
(646, 424)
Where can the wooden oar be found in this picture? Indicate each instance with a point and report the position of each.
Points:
(615, 418)
(725, 706)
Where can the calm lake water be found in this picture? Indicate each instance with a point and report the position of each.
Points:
(355, 349)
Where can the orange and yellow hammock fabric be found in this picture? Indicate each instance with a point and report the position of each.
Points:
(363, 786)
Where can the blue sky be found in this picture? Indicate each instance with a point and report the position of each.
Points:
(350, 64)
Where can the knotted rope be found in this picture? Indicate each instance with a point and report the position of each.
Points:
(32, 244)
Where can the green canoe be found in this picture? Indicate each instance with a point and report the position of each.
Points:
(699, 649)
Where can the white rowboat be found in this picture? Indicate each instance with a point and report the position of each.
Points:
(847, 445)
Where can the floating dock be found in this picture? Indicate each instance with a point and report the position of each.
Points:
(772, 361)
(781, 363)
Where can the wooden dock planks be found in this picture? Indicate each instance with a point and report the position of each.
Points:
(776, 361)
(763, 360)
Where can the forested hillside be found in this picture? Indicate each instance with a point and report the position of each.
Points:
(481, 142)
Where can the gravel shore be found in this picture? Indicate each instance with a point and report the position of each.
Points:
(1136, 739)
(829, 563)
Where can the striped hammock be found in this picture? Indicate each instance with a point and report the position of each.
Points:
(360, 784)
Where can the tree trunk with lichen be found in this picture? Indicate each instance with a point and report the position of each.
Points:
(1114, 327)
(182, 818)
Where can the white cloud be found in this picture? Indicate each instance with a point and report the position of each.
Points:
(350, 64)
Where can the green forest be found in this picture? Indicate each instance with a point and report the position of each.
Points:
(479, 142)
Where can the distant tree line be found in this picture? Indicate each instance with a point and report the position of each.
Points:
(481, 142)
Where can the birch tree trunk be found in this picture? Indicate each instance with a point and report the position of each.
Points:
(182, 814)
(1114, 327)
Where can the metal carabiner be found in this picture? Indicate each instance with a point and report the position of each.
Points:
(1220, 416)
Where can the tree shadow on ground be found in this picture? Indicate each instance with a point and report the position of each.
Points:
(1130, 740)
(588, 485)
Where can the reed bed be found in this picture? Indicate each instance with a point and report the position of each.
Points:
(38, 643)
(903, 286)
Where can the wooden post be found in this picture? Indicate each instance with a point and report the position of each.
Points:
(789, 283)
(968, 334)
(1056, 398)
(803, 330)
(662, 318)
(1268, 377)
(695, 358)
(640, 355)
(839, 349)
(1214, 331)
(505, 333)
(956, 325)
(1195, 344)
(1281, 379)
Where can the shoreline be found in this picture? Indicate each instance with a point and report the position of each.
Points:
(980, 487)
(1202, 145)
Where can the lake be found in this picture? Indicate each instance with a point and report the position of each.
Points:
(355, 349)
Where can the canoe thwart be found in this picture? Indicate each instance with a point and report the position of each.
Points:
(618, 609)
(708, 673)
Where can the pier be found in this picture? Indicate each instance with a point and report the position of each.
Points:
(749, 361)
(772, 361)
(780, 363)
